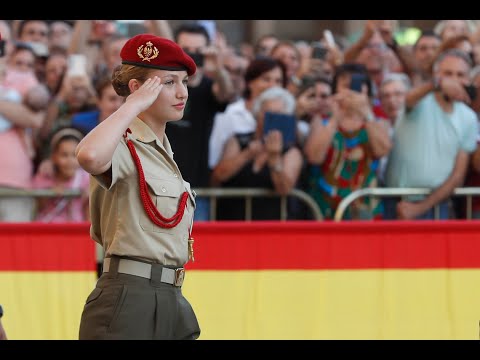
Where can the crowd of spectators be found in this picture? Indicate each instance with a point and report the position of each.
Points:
(372, 113)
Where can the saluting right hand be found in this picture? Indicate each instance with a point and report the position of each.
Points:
(146, 94)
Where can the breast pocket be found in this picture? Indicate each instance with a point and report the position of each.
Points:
(165, 195)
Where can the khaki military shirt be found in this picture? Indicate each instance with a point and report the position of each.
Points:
(118, 218)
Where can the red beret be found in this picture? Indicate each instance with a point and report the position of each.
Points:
(152, 51)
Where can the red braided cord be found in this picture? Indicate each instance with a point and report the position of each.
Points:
(147, 202)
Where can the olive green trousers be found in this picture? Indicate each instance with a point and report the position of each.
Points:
(125, 307)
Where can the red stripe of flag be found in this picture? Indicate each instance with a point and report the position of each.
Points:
(46, 247)
(328, 245)
(266, 245)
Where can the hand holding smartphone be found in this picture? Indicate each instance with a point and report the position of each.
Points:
(328, 36)
(285, 123)
(2, 48)
(471, 91)
(197, 57)
(357, 81)
(319, 51)
(77, 65)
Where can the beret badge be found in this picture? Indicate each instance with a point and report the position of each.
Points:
(147, 52)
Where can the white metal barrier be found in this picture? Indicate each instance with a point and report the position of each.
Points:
(468, 192)
(212, 193)
(249, 193)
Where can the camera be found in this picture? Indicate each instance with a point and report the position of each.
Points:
(197, 57)
(471, 91)
(2, 48)
(319, 51)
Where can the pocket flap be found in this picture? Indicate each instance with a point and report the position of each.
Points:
(94, 294)
(162, 187)
(191, 192)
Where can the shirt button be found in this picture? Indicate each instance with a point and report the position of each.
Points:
(175, 175)
(163, 189)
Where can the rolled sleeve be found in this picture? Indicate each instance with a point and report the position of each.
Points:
(122, 166)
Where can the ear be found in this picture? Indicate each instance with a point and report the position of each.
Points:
(133, 85)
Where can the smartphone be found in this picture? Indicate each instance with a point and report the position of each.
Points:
(286, 124)
(198, 58)
(319, 51)
(328, 36)
(357, 81)
(471, 91)
(211, 28)
(77, 65)
(2, 48)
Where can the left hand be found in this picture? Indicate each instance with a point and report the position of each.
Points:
(46, 168)
(274, 143)
(408, 210)
(354, 102)
(385, 28)
(213, 59)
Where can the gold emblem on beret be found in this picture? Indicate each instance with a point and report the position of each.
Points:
(147, 52)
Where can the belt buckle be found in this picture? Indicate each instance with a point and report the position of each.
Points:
(179, 276)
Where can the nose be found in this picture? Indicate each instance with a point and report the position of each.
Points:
(182, 92)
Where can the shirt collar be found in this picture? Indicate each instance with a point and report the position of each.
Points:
(143, 133)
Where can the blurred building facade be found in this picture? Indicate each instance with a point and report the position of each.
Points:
(238, 31)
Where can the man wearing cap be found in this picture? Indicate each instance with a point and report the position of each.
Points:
(141, 208)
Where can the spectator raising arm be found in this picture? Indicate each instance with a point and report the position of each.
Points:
(160, 28)
(20, 115)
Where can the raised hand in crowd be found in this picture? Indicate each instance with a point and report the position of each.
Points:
(353, 102)
(453, 89)
(254, 148)
(353, 51)
(213, 59)
(273, 145)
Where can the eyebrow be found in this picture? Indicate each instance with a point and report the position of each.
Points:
(174, 75)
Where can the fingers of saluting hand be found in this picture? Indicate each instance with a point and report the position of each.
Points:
(153, 83)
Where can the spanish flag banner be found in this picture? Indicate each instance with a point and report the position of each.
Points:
(356, 280)
(269, 280)
(46, 273)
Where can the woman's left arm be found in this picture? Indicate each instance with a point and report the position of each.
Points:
(284, 169)
(285, 176)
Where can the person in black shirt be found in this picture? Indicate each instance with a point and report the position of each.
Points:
(207, 96)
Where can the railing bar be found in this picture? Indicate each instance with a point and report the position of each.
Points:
(248, 208)
(469, 207)
(386, 192)
(283, 208)
(213, 207)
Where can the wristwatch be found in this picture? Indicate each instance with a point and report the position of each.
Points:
(1, 311)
